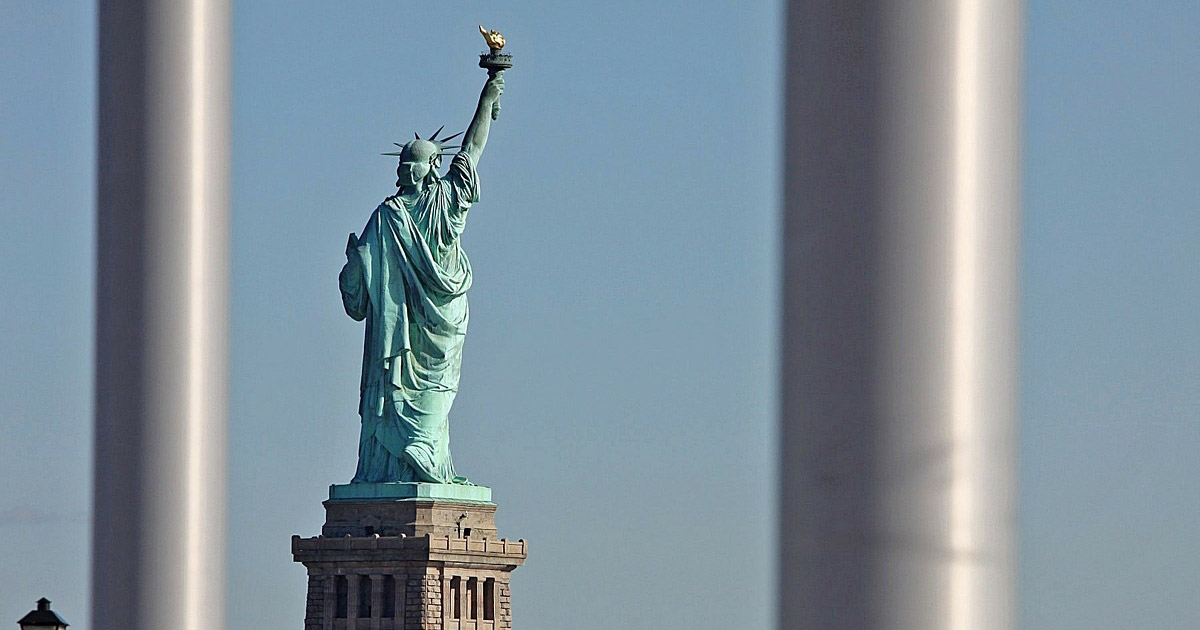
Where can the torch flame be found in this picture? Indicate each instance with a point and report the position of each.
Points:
(494, 39)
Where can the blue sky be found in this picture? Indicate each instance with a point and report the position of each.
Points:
(618, 387)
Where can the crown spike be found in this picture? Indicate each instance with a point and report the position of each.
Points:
(417, 135)
(449, 138)
(433, 138)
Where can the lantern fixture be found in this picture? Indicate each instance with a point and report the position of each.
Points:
(43, 618)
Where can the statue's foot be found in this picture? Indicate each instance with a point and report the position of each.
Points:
(462, 481)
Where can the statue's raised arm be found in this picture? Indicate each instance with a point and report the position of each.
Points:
(489, 102)
(496, 62)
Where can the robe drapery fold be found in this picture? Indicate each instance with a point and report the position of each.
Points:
(408, 277)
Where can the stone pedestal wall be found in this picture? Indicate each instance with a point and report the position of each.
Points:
(379, 574)
(410, 518)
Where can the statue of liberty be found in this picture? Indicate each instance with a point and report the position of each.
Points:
(407, 276)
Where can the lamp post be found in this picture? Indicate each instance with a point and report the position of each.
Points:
(162, 314)
(42, 618)
(899, 327)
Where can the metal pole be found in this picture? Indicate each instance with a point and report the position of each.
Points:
(161, 315)
(900, 315)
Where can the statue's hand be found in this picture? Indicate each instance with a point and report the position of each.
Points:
(494, 87)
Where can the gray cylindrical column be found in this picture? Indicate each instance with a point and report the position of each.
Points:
(900, 315)
(161, 315)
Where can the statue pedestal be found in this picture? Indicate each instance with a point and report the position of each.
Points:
(407, 556)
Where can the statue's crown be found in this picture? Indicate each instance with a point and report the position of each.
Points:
(440, 146)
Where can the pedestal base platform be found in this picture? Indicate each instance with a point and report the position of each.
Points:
(410, 509)
(409, 490)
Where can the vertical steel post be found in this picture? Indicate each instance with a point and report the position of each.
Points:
(900, 315)
(158, 543)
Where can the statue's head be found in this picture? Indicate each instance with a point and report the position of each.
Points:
(420, 159)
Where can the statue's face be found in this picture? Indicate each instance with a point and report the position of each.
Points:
(416, 160)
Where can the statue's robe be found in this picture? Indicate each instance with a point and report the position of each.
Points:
(408, 277)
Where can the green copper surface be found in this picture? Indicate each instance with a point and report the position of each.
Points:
(399, 491)
(407, 276)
